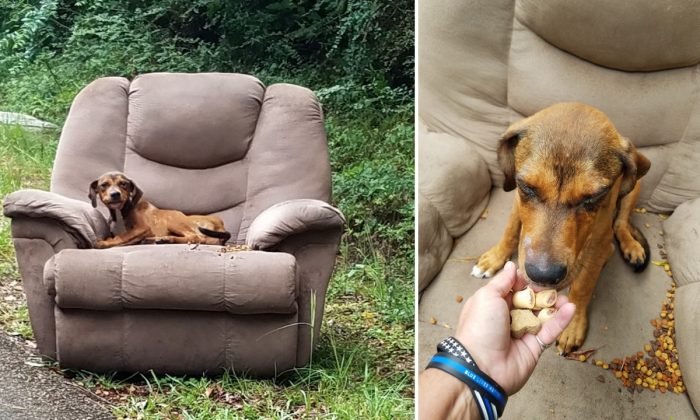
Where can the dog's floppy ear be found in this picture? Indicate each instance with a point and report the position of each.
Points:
(634, 165)
(92, 194)
(506, 151)
(135, 194)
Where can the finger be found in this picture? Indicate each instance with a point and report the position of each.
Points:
(503, 282)
(561, 301)
(551, 329)
(520, 281)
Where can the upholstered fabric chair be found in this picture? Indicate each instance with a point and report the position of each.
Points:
(212, 143)
(484, 64)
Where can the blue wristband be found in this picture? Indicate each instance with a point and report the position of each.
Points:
(454, 347)
(490, 397)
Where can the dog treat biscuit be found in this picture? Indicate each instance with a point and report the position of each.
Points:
(523, 321)
(546, 314)
(545, 299)
(524, 299)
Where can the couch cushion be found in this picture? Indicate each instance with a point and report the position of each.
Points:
(633, 35)
(453, 188)
(680, 182)
(688, 338)
(434, 242)
(463, 71)
(454, 178)
(682, 231)
(173, 277)
(650, 108)
(193, 121)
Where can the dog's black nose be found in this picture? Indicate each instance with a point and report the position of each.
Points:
(115, 195)
(549, 274)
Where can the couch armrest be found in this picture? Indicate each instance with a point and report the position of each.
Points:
(453, 190)
(83, 222)
(292, 217)
(311, 231)
(682, 238)
(688, 337)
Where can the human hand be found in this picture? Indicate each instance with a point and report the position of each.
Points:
(484, 329)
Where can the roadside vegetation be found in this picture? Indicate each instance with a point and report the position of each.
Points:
(358, 58)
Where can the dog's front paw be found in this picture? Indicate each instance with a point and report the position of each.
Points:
(489, 263)
(572, 338)
(633, 252)
(102, 244)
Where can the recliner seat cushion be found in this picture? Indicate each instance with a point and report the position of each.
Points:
(173, 277)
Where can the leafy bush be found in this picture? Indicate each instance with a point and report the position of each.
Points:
(362, 48)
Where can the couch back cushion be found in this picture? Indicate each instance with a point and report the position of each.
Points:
(209, 143)
(631, 35)
(190, 121)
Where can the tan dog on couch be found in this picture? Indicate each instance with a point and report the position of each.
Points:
(145, 223)
(578, 182)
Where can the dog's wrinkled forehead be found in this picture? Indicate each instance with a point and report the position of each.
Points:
(570, 144)
(112, 178)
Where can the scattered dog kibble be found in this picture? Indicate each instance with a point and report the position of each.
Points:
(433, 320)
(459, 298)
(647, 225)
(581, 356)
(484, 214)
(655, 368)
(640, 210)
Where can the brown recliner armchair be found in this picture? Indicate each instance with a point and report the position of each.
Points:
(219, 144)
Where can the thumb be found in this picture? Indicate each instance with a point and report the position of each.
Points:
(503, 282)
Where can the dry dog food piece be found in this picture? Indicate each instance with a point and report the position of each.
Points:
(524, 299)
(545, 298)
(546, 314)
(523, 321)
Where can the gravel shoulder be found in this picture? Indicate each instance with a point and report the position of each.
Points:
(29, 392)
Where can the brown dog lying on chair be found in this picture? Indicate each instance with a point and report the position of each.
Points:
(577, 181)
(145, 223)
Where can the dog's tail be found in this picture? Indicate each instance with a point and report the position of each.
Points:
(224, 236)
(639, 237)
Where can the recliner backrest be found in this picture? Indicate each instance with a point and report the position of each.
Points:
(209, 143)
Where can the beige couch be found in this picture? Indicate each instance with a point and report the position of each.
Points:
(221, 144)
(484, 64)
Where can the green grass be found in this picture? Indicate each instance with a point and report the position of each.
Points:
(26, 163)
(363, 366)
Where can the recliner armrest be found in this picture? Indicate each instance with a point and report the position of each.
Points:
(83, 222)
(292, 217)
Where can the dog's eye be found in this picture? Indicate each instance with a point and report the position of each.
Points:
(104, 185)
(527, 190)
(124, 185)
(590, 202)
